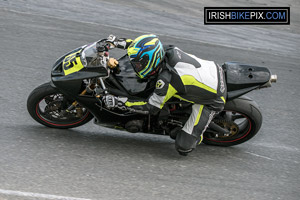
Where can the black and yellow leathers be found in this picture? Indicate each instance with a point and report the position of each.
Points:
(189, 78)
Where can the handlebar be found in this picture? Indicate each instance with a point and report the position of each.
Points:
(102, 46)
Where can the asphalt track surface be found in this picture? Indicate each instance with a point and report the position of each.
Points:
(91, 162)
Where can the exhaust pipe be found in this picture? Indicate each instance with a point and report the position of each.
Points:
(273, 79)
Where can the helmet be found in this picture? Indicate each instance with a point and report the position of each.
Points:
(145, 53)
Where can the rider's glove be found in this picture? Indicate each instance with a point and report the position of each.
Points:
(112, 63)
(112, 40)
(121, 43)
(112, 101)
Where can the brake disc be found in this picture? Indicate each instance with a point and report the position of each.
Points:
(229, 125)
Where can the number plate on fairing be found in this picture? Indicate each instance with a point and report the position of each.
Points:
(72, 63)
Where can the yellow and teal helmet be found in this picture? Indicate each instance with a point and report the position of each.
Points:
(145, 54)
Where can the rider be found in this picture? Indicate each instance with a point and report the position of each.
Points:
(178, 74)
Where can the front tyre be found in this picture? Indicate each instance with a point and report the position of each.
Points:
(47, 106)
(241, 117)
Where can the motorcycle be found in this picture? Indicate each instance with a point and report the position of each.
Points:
(80, 79)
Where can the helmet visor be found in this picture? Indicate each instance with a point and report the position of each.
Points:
(137, 66)
(140, 65)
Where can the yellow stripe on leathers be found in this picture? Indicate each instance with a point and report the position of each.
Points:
(223, 99)
(199, 115)
(138, 103)
(179, 97)
(201, 138)
(171, 91)
(190, 80)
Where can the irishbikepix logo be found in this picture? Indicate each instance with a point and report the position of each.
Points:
(247, 15)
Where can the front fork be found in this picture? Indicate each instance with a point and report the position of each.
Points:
(90, 88)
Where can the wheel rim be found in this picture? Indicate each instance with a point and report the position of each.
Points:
(237, 123)
(51, 109)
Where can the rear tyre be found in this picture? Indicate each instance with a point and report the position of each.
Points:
(241, 117)
(47, 106)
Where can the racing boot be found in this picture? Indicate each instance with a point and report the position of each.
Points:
(185, 143)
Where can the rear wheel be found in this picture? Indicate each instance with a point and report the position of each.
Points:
(48, 106)
(241, 117)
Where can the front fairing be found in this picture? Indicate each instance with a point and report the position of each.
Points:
(84, 58)
(70, 69)
(71, 83)
(57, 69)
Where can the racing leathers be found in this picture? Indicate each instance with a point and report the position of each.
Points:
(191, 79)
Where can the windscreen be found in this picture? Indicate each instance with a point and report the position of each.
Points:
(90, 57)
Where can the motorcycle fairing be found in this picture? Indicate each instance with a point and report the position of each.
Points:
(243, 78)
(71, 82)
(240, 76)
(72, 63)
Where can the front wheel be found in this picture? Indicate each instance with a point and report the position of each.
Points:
(47, 106)
(241, 117)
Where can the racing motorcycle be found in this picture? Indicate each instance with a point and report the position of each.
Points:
(81, 79)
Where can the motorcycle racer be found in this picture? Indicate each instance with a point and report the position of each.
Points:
(178, 74)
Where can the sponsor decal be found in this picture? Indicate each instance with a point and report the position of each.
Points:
(222, 84)
(160, 84)
(247, 15)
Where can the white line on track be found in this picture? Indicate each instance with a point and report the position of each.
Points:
(254, 154)
(37, 195)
